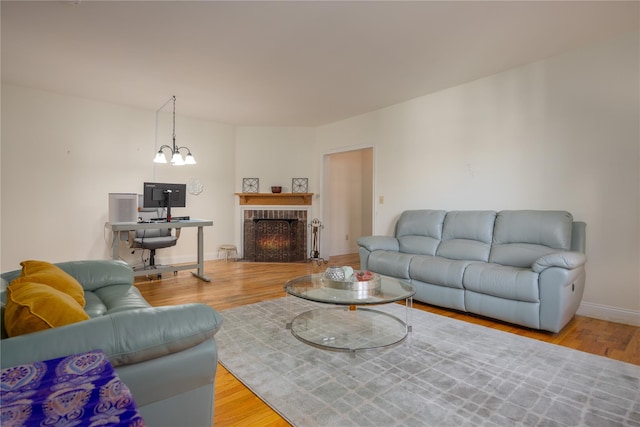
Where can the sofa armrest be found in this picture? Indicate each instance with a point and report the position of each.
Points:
(384, 243)
(565, 259)
(126, 337)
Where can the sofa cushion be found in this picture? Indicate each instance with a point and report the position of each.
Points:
(388, 263)
(438, 271)
(502, 281)
(51, 275)
(467, 235)
(419, 245)
(521, 237)
(112, 299)
(94, 306)
(118, 298)
(420, 231)
(33, 307)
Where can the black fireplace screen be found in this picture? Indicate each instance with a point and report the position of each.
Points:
(275, 240)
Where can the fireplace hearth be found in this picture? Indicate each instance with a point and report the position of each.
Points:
(275, 235)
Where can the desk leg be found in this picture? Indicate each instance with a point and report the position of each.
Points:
(115, 245)
(200, 274)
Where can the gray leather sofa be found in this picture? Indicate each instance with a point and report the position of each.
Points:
(523, 267)
(167, 356)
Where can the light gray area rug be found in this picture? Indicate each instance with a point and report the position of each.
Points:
(447, 373)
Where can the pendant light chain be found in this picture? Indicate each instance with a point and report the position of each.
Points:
(174, 123)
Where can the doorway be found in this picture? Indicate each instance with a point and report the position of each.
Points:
(347, 207)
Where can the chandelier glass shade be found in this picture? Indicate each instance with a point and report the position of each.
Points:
(176, 156)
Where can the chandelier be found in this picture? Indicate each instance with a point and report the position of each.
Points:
(176, 157)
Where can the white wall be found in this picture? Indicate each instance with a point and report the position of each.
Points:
(275, 155)
(562, 133)
(61, 156)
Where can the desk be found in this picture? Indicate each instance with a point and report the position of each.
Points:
(124, 227)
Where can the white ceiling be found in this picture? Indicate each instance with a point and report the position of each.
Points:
(295, 63)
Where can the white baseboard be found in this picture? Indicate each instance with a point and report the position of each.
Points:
(612, 314)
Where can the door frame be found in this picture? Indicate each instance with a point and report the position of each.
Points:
(326, 201)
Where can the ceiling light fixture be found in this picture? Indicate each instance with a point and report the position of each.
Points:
(176, 157)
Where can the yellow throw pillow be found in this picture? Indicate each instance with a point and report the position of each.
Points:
(33, 307)
(52, 275)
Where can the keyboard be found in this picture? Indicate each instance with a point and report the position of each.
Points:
(173, 219)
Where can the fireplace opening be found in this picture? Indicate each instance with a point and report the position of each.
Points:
(275, 236)
(275, 239)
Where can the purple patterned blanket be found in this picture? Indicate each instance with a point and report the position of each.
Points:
(78, 390)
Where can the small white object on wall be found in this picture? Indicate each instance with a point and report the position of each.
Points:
(194, 186)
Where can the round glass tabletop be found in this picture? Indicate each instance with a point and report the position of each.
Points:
(315, 287)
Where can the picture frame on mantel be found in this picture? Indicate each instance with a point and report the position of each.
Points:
(300, 185)
(250, 185)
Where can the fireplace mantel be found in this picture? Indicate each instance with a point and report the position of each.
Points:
(275, 198)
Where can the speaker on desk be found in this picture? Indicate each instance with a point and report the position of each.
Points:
(123, 207)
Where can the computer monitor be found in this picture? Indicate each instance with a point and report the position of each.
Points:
(164, 195)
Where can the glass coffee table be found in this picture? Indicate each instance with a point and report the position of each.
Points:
(348, 323)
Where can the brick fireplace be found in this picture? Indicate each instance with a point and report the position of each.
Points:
(274, 235)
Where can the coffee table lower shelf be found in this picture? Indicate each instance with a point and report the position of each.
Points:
(349, 329)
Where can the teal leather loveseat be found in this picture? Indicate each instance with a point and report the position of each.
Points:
(524, 267)
(167, 356)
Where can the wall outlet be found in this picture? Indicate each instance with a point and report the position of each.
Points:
(381, 199)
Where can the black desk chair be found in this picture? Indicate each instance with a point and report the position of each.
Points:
(152, 239)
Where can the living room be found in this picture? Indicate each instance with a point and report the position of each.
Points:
(557, 133)
(557, 130)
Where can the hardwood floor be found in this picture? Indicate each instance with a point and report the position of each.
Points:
(239, 283)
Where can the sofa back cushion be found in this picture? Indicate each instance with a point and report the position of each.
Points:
(95, 274)
(467, 235)
(420, 231)
(521, 237)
